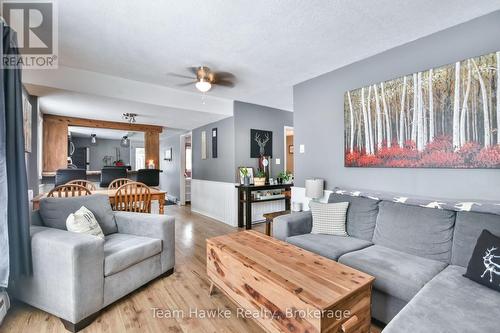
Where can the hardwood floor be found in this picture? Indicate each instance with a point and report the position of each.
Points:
(186, 290)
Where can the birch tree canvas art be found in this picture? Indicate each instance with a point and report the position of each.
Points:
(447, 117)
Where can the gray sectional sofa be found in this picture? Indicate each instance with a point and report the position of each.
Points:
(76, 275)
(417, 256)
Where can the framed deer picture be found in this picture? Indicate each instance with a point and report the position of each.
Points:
(261, 143)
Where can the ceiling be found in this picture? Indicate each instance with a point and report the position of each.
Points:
(269, 45)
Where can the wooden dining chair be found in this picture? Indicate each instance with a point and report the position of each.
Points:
(71, 190)
(133, 197)
(118, 183)
(82, 182)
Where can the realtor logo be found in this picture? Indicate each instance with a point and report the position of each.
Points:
(35, 25)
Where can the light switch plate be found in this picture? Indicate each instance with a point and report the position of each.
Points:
(278, 161)
(302, 149)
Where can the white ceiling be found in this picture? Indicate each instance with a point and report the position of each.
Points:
(268, 45)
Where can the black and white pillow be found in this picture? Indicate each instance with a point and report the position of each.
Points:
(329, 218)
(484, 265)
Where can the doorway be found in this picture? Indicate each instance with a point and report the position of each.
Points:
(288, 165)
(185, 169)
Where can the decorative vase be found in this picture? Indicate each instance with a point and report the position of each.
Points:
(265, 165)
(246, 180)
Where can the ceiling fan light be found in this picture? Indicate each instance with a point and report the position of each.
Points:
(203, 86)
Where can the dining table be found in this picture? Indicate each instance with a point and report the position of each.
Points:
(156, 195)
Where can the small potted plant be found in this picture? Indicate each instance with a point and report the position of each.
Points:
(246, 178)
(287, 177)
(260, 178)
(281, 177)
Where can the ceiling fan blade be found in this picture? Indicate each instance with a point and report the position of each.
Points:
(225, 83)
(224, 76)
(186, 84)
(182, 76)
(194, 70)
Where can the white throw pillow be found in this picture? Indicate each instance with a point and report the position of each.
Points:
(329, 218)
(83, 221)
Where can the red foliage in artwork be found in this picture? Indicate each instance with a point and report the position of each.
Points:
(488, 157)
(437, 154)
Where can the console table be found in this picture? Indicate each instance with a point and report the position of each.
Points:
(245, 201)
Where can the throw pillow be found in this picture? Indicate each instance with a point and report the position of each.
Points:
(83, 221)
(329, 218)
(54, 211)
(484, 265)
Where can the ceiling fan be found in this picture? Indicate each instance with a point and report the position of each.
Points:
(205, 79)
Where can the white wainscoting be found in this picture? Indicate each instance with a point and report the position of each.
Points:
(218, 200)
(215, 199)
(299, 195)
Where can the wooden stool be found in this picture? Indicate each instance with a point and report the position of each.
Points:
(270, 217)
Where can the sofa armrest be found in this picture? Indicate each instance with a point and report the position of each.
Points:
(152, 226)
(68, 277)
(292, 224)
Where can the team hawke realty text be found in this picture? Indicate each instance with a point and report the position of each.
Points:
(224, 313)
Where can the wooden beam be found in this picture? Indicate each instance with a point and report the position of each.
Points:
(72, 121)
(55, 138)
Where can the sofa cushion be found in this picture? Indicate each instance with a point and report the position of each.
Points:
(361, 215)
(329, 218)
(468, 227)
(122, 251)
(328, 245)
(424, 232)
(396, 273)
(55, 211)
(484, 265)
(449, 303)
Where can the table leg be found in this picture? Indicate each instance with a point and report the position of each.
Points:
(240, 208)
(248, 210)
(287, 199)
(268, 227)
(211, 291)
(161, 202)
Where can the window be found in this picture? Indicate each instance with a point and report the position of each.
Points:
(140, 158)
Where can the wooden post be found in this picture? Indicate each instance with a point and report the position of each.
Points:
(152, 147)
(55, 144)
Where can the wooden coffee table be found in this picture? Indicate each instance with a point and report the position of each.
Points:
(286, 288)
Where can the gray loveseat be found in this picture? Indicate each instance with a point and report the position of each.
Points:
(417, 256)
(76, 275)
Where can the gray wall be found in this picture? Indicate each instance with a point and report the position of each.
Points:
(319, 116)
(251, 116)
(104, 147)
(222, 168)
(169, 178)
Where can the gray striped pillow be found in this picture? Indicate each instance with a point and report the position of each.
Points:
(329, 218)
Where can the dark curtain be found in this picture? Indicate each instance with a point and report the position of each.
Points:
(18, 220)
